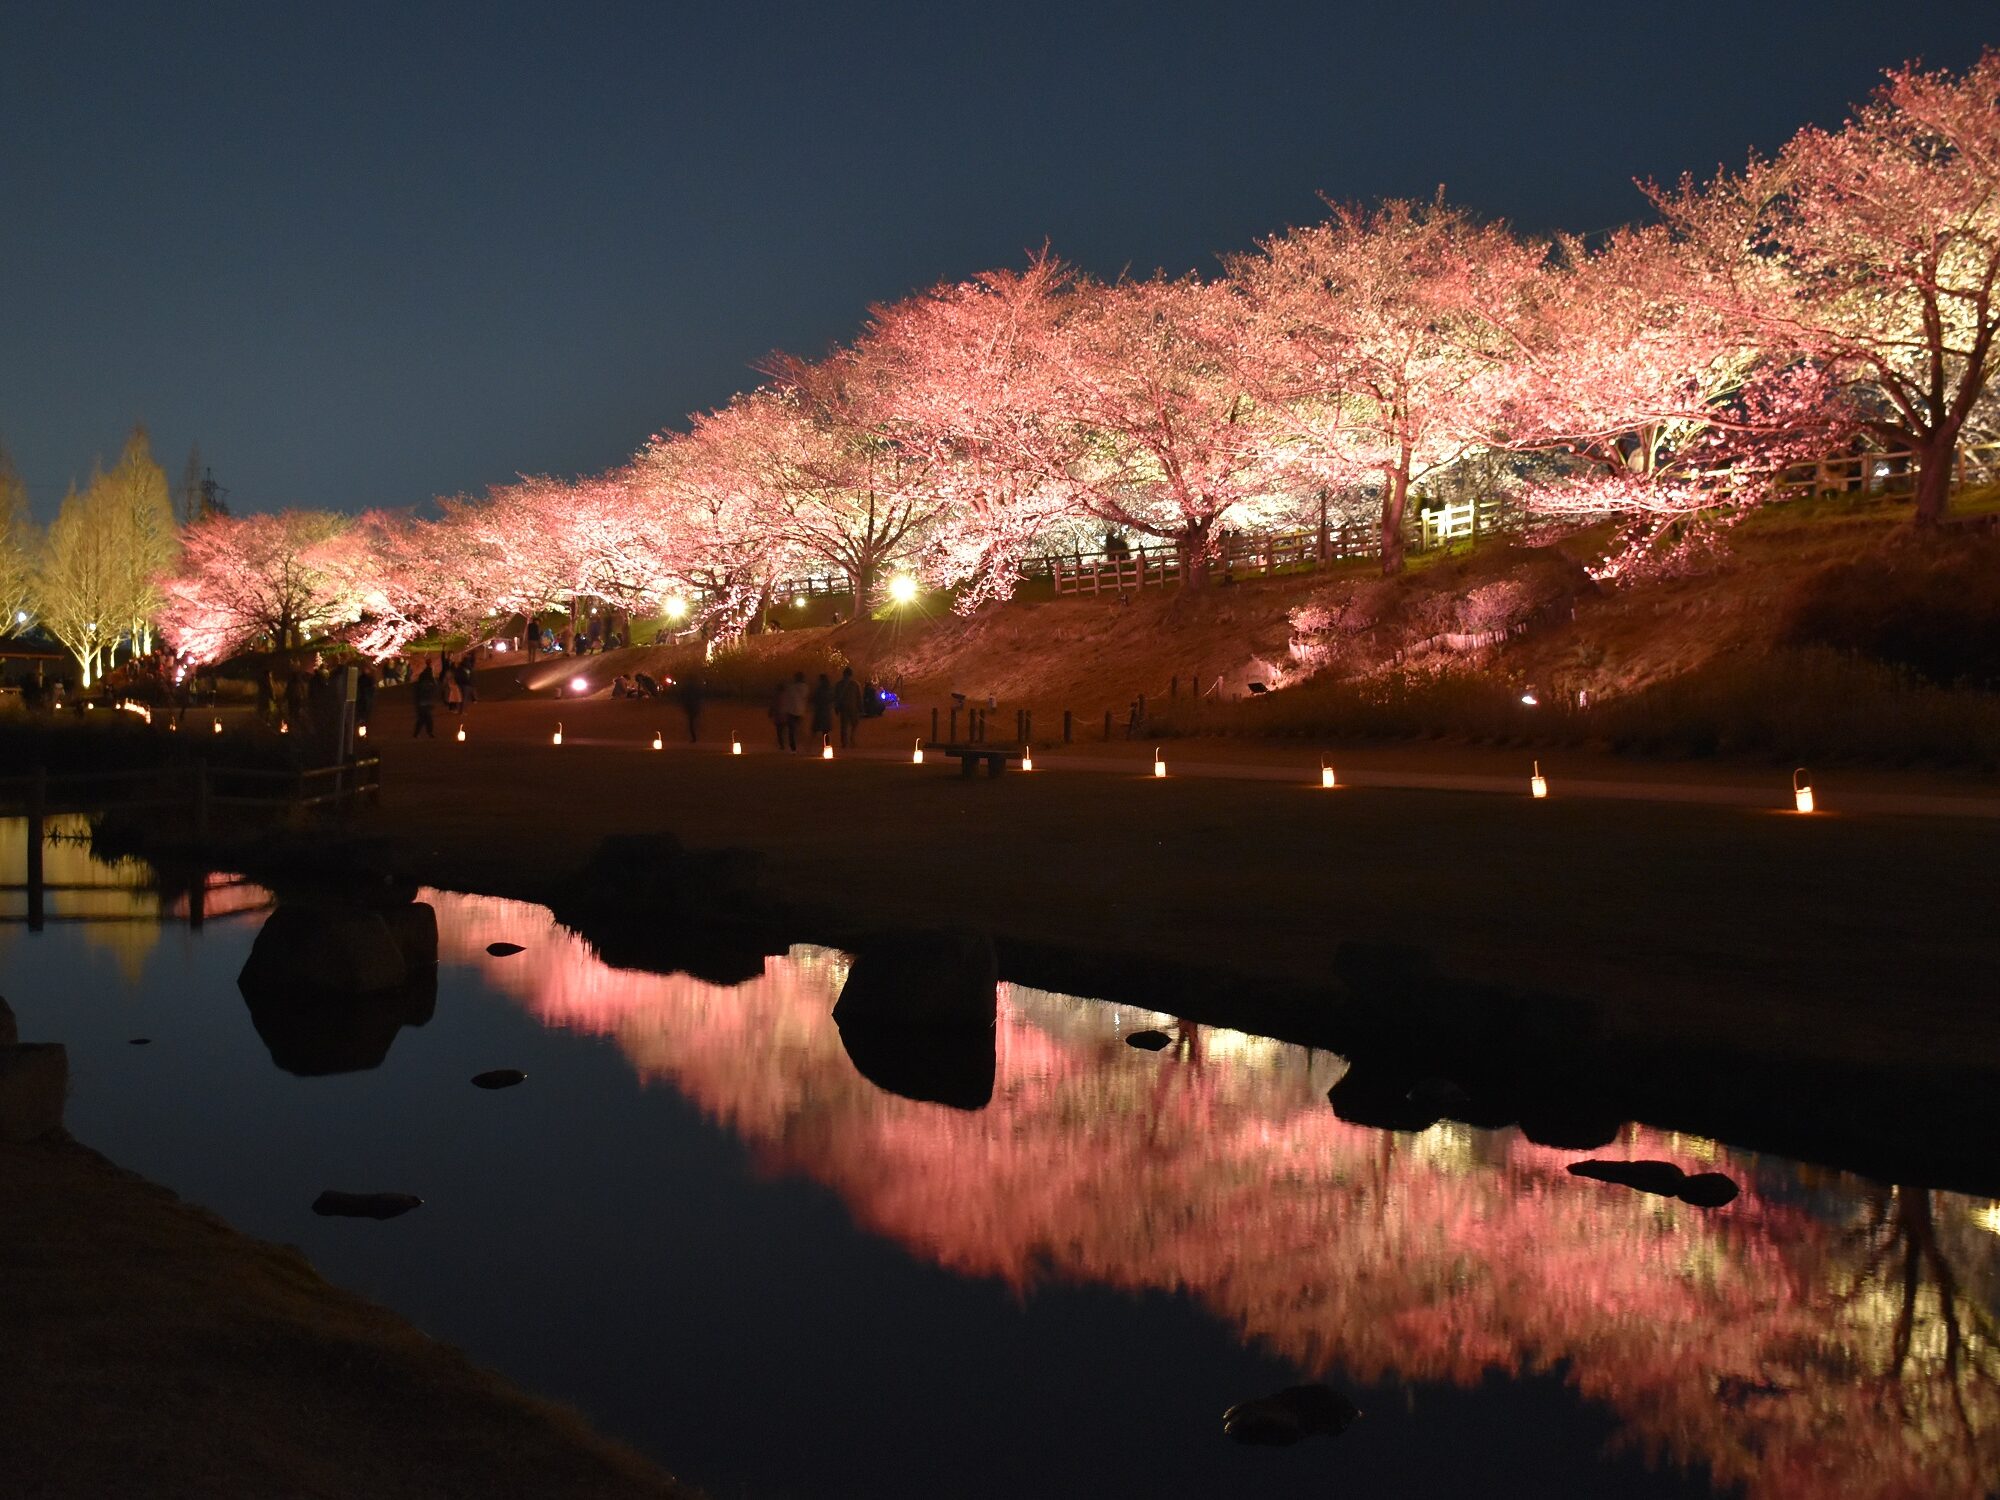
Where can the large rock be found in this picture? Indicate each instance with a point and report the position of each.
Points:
(34, 1083)
(1290, 1416)
(311, 1033)
(922, 979)
(414, 926)
(9, 1033)
(326, 950)
(933, 1065)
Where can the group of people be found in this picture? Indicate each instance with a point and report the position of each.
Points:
(451, 680)
(845, 702)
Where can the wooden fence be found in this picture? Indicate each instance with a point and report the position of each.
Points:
(1888, 473)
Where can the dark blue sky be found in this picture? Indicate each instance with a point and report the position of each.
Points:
(367, 254)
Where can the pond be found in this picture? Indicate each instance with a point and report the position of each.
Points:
(698, 1223)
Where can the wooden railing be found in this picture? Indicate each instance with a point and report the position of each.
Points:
(1261, 553)
(1892, 472)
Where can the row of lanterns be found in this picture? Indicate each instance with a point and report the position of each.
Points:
(1538, 784)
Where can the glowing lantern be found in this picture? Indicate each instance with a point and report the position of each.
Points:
(1159, 766)
(658, 742)
(1325, 774)
(1802, 797)
(361, 730)
(284, 727)
(556, 739)
(1538, 784)
(461, 734)
(825, 748)
(1027, 757)
(917, 754)
(735, 745)
(218, 726)
(579, 685)
(902, 588)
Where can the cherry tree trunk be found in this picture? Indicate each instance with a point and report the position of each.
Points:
(1934, 465)
(1395, 499)
(1197, 562)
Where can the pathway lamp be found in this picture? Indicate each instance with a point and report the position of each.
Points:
(1159, 765)
(917, 754)
(1538, 784)
(1802, 793)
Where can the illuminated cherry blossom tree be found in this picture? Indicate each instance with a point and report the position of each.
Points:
(1380, 338)
(1874, 252)
(962, 389)
(1147, 420)
(271, 578)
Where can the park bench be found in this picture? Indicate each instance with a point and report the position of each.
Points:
(971, 754)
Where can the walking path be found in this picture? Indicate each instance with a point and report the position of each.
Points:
(1571, 774)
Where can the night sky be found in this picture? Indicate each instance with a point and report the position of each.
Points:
(369, 254)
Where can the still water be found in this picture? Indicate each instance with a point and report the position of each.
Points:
(700, 1225)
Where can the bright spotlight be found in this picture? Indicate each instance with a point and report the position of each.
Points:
(579, 685)
(799, 602)
(677, 608)
(902, 588)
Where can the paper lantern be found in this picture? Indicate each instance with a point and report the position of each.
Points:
(361, 731)
(659, 743)
(1159, 766)
(1027, 757)
(556, 738)
(284, 727)
(825, 748)
(1802, 796)
(218, 726)
(1326, 774)
(460, 736)
(735, 745)
(917, 754)
(1538, 784)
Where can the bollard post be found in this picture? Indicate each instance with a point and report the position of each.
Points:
(954, 724)
(933, 725)
(38, 806)
(1068, 726)
(1027, 726)
(1140, 724)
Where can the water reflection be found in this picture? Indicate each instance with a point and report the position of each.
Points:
(119, 907)
(1822, 1336)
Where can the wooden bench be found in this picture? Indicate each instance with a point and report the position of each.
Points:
(970, 755)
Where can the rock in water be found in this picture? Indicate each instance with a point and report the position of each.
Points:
(1661, 1177)
(34, 1083)
(930, 979)
(1151, 1041)
(331, 1204)
(498, 1078)
(503, 950)
(139, 1041)
(1707, 1190)
(1290, 1416)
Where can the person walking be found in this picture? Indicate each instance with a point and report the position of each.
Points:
(693, 690)
(822, 707)
(454, 693)
(796, 697)
(424, 697)
(847, 700)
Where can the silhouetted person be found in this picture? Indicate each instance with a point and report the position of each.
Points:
(454, 692)
(693, 691)
(424, 696)
(822, 706)
(796, 698)
(847, 704)
(364, 696)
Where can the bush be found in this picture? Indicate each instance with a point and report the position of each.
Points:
(1928, 605)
